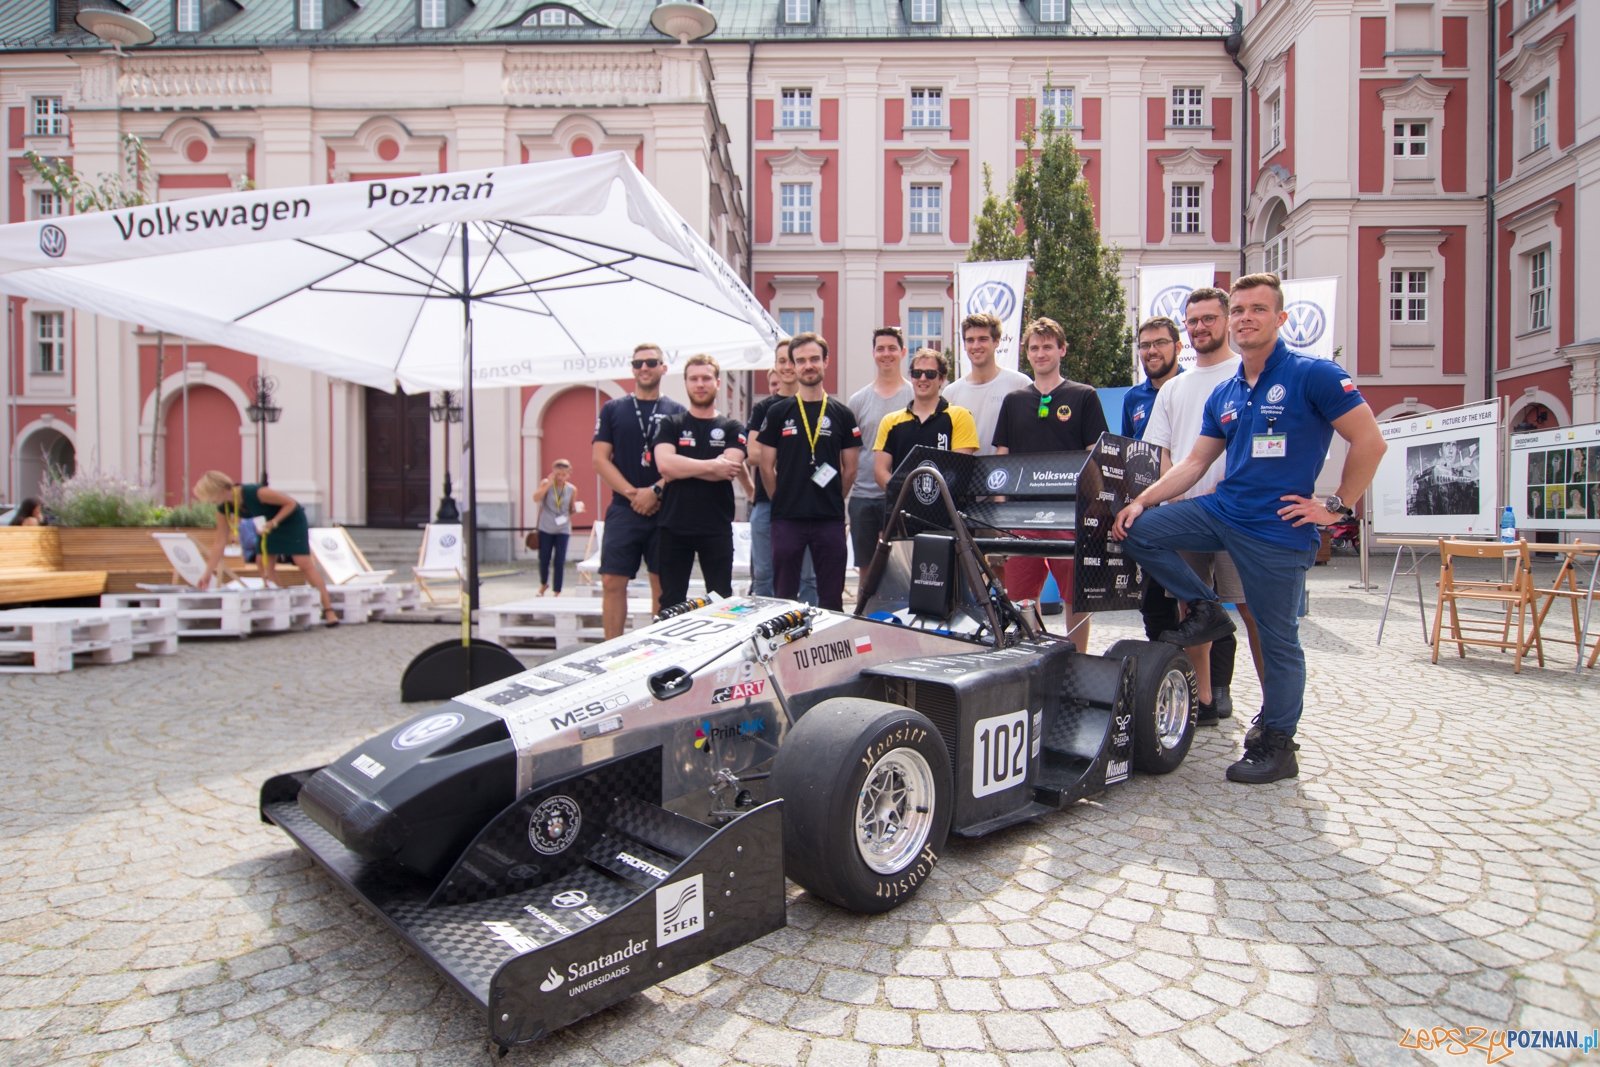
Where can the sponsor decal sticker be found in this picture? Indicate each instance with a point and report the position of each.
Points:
(997, 479)
(740, 691)
(680, 910)
(549, 920)
(1064, 412)
(570, 898)
(1116, 771)
(638, 864)
(503, 931)
(925, 488)
(863, 644)
(1348, 385)
(826, 652)
(367, 765)
(705, 732)
(603, 967)
(552, 981)
(425, 730)
(554, 825)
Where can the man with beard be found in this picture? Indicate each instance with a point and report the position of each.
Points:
(1158, 355)
(622, 437)
(1174, 426)
(783, 382)
(700, 454)
(810, 446)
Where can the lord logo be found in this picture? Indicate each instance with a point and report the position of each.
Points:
(53, 241)
(1276, 394)
(1173, 302)
(997, 479)
(680, 910)
(1306, 324)
(996, 298)
(430, 729)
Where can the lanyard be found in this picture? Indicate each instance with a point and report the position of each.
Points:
(556, 492)
(812, 435)
(643, 425)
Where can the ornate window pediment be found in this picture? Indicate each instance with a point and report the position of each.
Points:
(1534, 61)
(926, 164)
(1190, 163)
(1417, 96)
(797, 163)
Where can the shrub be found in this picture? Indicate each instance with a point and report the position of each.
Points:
(96, 498)
(191, 514)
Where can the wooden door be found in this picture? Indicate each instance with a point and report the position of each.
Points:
(398, 457)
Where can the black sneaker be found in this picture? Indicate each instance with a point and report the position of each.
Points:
(1224, 702)
(1269, 759)
(1252, 735)
(1208, 713)
(1207, 621)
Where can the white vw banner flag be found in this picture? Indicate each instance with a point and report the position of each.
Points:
(997, 287)
(1310, 304)
(1164, 290)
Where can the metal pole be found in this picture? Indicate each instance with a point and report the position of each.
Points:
(183, 490)
(13, 468)
(469, 441)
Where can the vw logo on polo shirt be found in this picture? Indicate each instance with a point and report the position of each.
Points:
(1173, 302)
(430, 729)
(825, 422)
(53, 241)
(996, 298)
(717, 433)
(1306, 324)
(1276, 394)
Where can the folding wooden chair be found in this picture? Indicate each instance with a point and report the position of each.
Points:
(1566, 587)
(589, 566)
(439, 563)
(1516, 594)
(342, 559)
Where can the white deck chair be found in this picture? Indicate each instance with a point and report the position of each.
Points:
(187, 558)
(439, 563)
(341, 558)
(589, 566)
(741, 550)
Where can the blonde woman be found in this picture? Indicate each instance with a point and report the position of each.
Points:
(285, 533)
(556, 498)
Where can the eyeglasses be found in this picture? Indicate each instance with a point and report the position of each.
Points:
(1150, 346)
(1204, 320)
(924, 372)
(646, 363)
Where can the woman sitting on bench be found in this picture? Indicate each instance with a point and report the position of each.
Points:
(284, 533)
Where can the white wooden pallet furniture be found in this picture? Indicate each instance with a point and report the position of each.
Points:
(358, 593)
(227, 612)
(566, 620)
(48, 640)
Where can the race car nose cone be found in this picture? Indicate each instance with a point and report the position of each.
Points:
(364, 825)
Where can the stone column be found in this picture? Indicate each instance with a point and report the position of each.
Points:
(1584, 360)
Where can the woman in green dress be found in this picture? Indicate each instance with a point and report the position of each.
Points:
(284, 532)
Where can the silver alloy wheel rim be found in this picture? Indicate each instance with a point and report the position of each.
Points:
(1172, 708)
(894, 813)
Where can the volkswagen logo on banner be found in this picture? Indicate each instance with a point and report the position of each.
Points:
(53, 241)
(1173, 302)
(996, 298)
(1305, 326)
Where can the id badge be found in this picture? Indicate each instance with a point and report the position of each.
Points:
(644, 459)
(1269, 446)
(824, 474)
(561, 520)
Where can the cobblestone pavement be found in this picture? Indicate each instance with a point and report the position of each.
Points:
(1435, 865)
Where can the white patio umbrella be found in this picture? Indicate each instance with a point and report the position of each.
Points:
(524, 275)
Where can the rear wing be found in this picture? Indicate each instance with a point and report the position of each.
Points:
(1045, 503)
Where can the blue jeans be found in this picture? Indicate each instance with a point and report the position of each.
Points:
(1273, 579)
(761, 557)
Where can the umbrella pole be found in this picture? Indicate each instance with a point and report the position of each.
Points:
(469, 458)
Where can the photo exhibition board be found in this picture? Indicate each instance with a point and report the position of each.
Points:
(1440, 474)
(1555, 478)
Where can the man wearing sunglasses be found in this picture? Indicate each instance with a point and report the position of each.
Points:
(1051, 415)
(929, 420)
(623, 435)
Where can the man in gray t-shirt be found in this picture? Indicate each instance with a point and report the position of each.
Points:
(889, 391)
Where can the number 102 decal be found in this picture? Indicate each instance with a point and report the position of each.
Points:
(999, 753)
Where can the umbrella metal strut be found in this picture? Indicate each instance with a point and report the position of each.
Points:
(469, 443)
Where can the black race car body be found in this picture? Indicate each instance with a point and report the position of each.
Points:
(557, 840)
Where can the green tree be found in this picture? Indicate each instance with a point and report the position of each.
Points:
(1074, 278)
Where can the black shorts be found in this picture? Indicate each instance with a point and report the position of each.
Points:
(629, 538)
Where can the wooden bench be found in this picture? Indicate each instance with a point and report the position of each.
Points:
(32, 568)
(130, 557)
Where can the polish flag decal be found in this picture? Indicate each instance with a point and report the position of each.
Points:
(789, 431)
(1349, 386)
(1228, 416)
(863, 645)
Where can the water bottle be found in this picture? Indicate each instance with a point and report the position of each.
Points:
(1508, 526)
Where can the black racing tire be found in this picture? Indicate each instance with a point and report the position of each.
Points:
(822, 773)
(1166, 678)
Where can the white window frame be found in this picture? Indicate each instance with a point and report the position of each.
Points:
(794, 321)
(1052, 10)
(1539, 118)
(1186, 209)
(309, 14)
(1062, 106)
(796, 109)
(925, 205)
(924, 11)
(918, 334)
(1406, 136)
(1536, 6)
(797, 12)
(49, 342)
(1408, 295)
(48, 204)
(188, 16)
(927, 109)
(49, 117)
(1187, 106)
(1274, 123)
(795, 207)
(1275, 255)
(1540, 289)
(435, 14)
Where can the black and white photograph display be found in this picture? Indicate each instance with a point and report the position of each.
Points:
(1556, 478)
(1442, 478)
(1441, 474)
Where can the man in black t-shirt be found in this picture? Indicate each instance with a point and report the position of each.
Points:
(810, 446)
(699, 453)
(1051, 415)
(622, 436)
(781, 379)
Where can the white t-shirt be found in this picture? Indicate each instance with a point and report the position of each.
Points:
(984, 402)
(1175, 422)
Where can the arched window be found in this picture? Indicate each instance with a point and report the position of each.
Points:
(1276, 258)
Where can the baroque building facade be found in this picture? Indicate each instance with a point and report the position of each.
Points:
(832, 151)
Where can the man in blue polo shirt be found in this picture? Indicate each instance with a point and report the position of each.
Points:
(1275, 421)
(1159, 345)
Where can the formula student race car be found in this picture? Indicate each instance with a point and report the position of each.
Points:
(561, 839)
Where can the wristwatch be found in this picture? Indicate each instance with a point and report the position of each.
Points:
(1336, 505)
(656, 489)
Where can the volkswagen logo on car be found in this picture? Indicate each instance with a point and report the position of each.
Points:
(425, 730)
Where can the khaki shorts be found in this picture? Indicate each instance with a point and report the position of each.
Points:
(1216, 569)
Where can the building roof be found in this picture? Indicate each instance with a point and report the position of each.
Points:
(27, 25)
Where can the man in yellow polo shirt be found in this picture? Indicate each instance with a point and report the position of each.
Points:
(929, 419)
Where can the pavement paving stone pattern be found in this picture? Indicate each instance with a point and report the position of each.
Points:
(1434, 865)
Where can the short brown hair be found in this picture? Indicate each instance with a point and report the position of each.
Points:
(650, 346)
(889, 331)
(1206, 292)
(702, 360)
(1159, 322)
(809, 338)
(1049, 327)
(933, 354)
(1256, 281)
(982, 320)
(781, 350)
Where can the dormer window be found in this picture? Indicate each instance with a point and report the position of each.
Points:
(797, 12)
(434, 15)
(200, 16)
(311, 14)
(318, 14)
(551, 17)
(922, 12)
(1051, 10)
